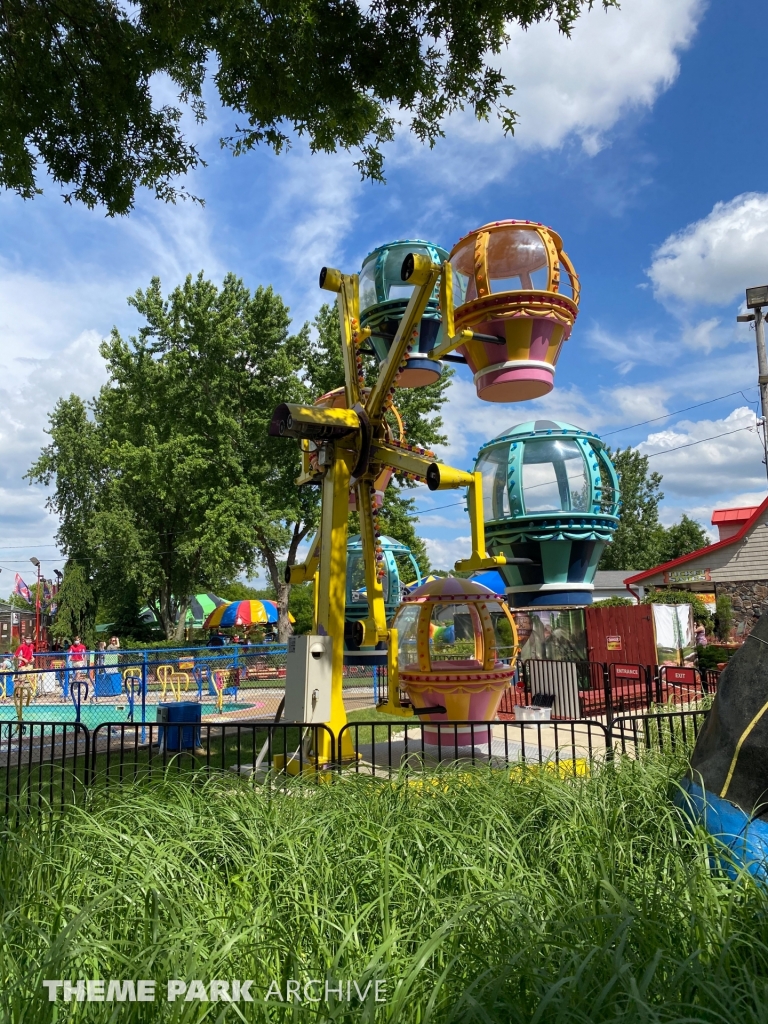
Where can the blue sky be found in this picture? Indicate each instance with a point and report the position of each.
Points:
(640, 140)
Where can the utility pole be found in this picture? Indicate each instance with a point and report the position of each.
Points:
(36, 563)
(757, 298)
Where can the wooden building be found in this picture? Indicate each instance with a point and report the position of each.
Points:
(735, 566)
(16, 624)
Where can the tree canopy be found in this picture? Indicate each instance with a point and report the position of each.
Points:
(158, 482)
(78, 81)
(167, 483)
(641, 541)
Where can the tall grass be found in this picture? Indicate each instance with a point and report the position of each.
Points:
(476, 897)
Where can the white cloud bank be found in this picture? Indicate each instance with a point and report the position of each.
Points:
(714, 259)
(731, 463)
(616, 62)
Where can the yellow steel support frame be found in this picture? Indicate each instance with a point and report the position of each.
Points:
(332, 586)
(375, 625)
(366, 452)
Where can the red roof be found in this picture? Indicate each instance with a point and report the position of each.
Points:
(733, 515)
(739, 535)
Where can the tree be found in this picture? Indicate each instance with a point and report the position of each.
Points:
(76, 601)
(641, 542)
(723, 618)
(683, 538)
(637, 543)
(238, 591)
(76, 81)
(160, 479)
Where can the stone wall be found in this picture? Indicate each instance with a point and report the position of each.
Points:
(749, 599)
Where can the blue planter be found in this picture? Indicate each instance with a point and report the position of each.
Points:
(184, 736)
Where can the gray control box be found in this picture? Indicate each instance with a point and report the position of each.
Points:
(308, 679)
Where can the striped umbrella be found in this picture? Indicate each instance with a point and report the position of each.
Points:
(201, 606)
(243, 613)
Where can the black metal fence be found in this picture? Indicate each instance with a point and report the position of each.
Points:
(593, 689)
(662, 731)
(45, 767)
(376, 748)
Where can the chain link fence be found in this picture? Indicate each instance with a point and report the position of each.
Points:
(91, 687)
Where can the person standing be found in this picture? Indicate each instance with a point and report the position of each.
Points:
(77, 661)
(24, 656)
(6, 674)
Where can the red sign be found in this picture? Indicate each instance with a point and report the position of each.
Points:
(613, 643)
(680, 675)
(627, 671)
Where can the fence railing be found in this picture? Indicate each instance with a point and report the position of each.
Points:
(593, 689)
(114, 686)
(374, 748)
(46, 767)
(662, 731)
(43, 766)
(129, 753)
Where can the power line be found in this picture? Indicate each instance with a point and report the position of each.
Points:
(23, 547)
(426, 511)
(677, 412)
(700, 441)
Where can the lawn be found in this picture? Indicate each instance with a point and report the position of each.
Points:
(471, 897)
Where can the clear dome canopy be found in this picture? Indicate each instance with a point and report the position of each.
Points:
(467, 631)
(380, 279)
(510, 256)
(558, 469)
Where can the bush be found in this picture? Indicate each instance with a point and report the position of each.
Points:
(612, 602)
(713, 654)
(723, 618)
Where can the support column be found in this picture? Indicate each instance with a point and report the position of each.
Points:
(332, 582)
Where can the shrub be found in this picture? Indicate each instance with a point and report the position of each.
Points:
(723, 618)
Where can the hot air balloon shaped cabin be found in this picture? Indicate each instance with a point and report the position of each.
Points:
(457, 645)
(513, 292)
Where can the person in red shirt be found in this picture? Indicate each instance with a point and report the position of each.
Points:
(77, 654)
(77, 660)
(25, 656)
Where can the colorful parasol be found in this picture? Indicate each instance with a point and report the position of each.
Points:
(201, 606)
(243, 613)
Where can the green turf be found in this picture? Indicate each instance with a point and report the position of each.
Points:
(475, 896)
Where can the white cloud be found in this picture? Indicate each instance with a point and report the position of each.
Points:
(637, 402)
(615, 62)
(709, 470)
(312, 212)
(626, 351)
(25, 401)
(713, 260)
(443, 554)
(469, 422)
